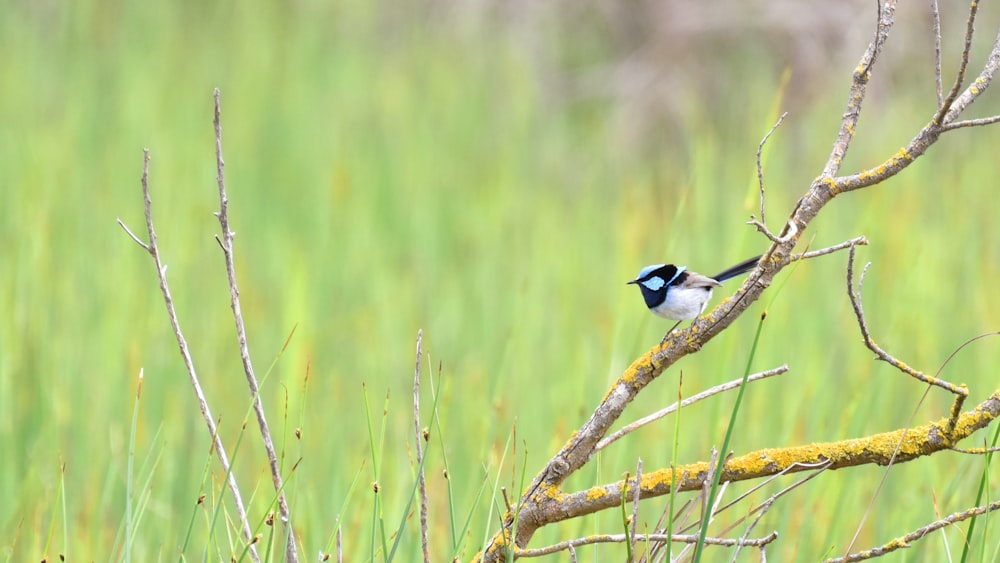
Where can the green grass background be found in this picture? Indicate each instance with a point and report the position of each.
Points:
(392, 168)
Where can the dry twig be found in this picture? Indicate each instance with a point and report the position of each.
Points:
(419, 437)
(226, 242)
(161, 273)
(762, 224)
(631, 427)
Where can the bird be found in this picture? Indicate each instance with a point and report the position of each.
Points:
(676, 293)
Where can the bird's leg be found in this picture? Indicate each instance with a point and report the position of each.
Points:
(667, 335)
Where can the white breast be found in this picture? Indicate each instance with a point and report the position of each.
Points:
(683, 303)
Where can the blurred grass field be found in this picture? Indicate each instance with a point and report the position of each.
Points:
(422, 165)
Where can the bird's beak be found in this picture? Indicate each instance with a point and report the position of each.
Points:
(631, 282)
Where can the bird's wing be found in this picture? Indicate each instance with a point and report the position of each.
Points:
(695, 279)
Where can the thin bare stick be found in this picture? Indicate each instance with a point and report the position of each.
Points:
(936, 30)
(226, 242)
(635, 506)
(856, 241)
(760, 167)
(819, 466)
(690, 400)
(206, 412)
(970, 29)
(978, 86)
(972, 123)
(652, 538)
(419, 436)
(963, 345)
(976, 451)
(763, 507)
(137, 240)
(919, 533)
(753, 524)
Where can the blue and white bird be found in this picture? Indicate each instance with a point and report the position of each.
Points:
(676, 293)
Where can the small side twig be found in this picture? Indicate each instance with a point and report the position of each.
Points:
(419, 437)
(936, 31)
(206, 412)
(856, 241)
(971, 123)
(819, 467)
(970, 29)
(631, 427)
(760, 170)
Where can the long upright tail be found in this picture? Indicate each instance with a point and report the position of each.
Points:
(741, 268)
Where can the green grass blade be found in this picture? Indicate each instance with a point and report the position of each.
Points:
(699, 547)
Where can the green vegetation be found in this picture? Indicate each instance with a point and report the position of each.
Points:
(392, 169)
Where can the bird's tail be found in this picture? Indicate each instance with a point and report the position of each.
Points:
(741, 268)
